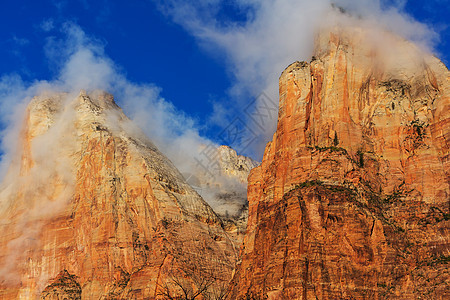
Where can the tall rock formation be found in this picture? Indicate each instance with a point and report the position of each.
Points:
(351, 200)
(92, 210)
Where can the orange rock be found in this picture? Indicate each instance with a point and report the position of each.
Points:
(351, 200)
(95, 205)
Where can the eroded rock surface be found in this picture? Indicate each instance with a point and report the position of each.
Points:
(91, 202)
(64, 286)
(351, 200)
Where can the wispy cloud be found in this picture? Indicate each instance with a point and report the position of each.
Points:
(80, 63)
(20, 41)
(274, 34)
(47, 25)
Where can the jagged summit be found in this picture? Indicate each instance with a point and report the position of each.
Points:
(351, 200)
(92, 198)
(68, 120)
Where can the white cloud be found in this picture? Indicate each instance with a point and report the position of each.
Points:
(256, 49)
(276, 33)
(80, 64)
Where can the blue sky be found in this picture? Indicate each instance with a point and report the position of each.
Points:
(136, 36)
(193, 56)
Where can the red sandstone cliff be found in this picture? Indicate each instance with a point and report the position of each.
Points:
(351, 200)
(92, 210)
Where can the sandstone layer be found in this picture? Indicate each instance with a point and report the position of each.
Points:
(91, 209)
(351, 200)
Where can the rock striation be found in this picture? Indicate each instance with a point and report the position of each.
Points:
(91, 209)
(351, 200)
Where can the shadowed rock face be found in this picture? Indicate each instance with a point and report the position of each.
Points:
(64, 286)
(92, 208)
(351, 200)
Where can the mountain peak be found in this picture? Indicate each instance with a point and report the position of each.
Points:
(355, 184)
(99, 196)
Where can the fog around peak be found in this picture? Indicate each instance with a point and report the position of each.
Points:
(269, 35)
(255, 45)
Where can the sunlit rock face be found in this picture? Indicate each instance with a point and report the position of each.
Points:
(90, 208)
(351, 200)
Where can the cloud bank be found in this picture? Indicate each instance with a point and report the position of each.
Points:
(79, 63)
(271, 34)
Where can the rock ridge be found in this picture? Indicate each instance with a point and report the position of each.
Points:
(93, 209)
(351, 200)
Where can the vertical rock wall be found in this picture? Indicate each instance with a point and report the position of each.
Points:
(351, 200)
